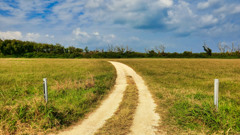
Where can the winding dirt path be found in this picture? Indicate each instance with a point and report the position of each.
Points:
(145, 119)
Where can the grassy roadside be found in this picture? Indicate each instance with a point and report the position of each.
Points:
(75, 88)
(121, 122)
(183, 90)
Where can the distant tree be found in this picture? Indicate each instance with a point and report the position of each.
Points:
(207, 49)
(187, 53)
(110, 48)
(58, 49)
(86, 49)
(160, 49)
(1, 46)
(71, 49)
(221, 48)
(238, 49)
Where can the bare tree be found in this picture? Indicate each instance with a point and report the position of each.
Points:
(110, 48)
(221, 48)
(120, 49)
(160, 49)
(146, 50)
(227, 48)
(128, 49)
(235, 49)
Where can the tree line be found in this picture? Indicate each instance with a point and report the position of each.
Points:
(18, 48)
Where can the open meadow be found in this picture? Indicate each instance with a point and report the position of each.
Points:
(183, 90)
(75, 87)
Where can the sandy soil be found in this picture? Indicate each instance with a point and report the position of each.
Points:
(145, 119)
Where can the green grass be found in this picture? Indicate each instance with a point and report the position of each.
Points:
(74, 89)
(183, 90)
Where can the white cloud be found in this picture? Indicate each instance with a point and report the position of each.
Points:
(11, 35)
(78, 33)
(49, 36)
(32, 36)
(81, 36)
(228, 9)
(208, 19)
(96, 33)
(94, 3)
(184, 21)
(207, 4)
(112, 36)
(182, 17)
(164, 3)
(66, 11)
(224, 30)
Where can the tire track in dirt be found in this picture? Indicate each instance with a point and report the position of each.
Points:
(96, 120)
(145, 119)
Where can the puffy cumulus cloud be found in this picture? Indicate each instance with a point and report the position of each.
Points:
(37, 37)
(94, 3)
(91, 37)
(208, 19)
(207, 4)
(80, 35)
(96, 33)
(164, 3)
(223, 31)
(32, 36)
(49, 36)
(77, 32)
(139, 14)
(11, 35)
(184, 21)
(112, 36)
(108, 21)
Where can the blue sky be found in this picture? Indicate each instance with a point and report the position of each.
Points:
(180, 25)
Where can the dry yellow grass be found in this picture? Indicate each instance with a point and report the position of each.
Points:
(122, 120)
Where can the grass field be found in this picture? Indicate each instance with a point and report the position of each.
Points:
(183, 90)
(74, 88)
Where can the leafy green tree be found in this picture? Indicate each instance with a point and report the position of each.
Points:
(71, 49)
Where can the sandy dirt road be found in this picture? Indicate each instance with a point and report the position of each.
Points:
(145, 119)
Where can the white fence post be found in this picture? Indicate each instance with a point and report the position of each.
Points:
(45, 89)
(216, 89)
